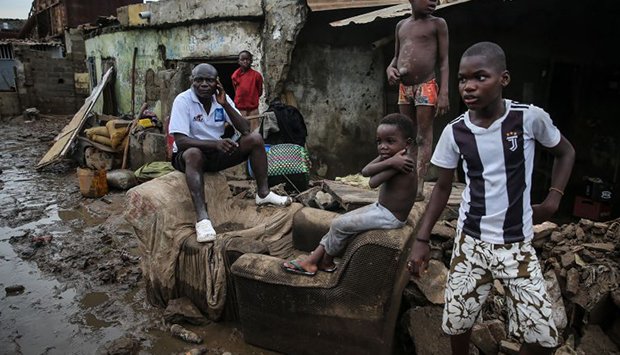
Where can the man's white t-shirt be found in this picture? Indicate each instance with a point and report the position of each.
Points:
(189, 117)
(498, 163)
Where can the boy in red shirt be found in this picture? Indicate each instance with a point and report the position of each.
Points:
(248, 84)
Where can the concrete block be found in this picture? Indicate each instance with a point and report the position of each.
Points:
(425, 330)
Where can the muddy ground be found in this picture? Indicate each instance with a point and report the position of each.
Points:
(76, 260)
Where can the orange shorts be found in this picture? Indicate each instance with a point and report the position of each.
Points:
(424, 94)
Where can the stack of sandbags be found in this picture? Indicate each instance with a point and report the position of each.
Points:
(113, 134)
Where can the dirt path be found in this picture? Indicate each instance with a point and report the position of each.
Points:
(76, 260)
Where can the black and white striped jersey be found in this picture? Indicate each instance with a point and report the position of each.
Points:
(498, 163)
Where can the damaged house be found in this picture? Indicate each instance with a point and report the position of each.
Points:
(42, 62)
(329, 59)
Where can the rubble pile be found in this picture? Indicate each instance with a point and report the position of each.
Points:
(581, 265)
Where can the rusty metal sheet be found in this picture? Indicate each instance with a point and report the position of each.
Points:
(390, 12)
(68, 134)
(324, 5)
(80, 12)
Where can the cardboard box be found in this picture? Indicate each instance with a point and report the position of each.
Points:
(591, 209)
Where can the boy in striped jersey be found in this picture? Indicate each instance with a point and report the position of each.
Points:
(495, 139)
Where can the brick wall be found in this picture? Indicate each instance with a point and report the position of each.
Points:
(47, 83)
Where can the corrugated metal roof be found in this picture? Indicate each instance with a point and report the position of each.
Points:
(390, 12)
(323, 5)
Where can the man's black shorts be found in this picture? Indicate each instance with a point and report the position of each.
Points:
(213, 161)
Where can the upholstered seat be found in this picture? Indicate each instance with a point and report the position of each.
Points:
(350, 311)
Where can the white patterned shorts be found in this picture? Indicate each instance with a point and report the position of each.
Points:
(474, 266)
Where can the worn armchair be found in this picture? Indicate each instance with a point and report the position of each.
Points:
(350, 311)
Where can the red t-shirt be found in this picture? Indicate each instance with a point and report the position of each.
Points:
(248, 88)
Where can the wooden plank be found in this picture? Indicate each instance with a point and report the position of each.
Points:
(66, 137)
(350, 197)
(325, 5)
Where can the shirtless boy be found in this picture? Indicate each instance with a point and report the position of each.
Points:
(421, 45)
(394, 169)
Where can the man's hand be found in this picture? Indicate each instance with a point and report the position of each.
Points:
(543, 212)
(402, 162)
(227, 145)
(221, 94)
(393, 75)
(418, 259)
(443, 105)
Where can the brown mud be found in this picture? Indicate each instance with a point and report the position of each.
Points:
(77, 262)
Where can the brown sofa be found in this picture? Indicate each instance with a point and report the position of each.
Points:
(350, 311)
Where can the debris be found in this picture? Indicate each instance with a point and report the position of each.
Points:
(572, 282)
(433, 282)
(14, 290)
(181, 310)
(555, 296)
(424, 323)
(196, 351)
(323, 199)
(122, 179)
(356, 180)
(307, 198)
(41, 240)
(350, 197)
(542, 232)
(444, 230)
(594, 341)
(31, 113)
(509, 347)
(184, 334)
(482, 338)
(122, 346)
(604, 247)
(497, 329)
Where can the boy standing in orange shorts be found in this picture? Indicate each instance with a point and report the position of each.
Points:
(421, 45)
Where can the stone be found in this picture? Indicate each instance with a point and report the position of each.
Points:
(579, 233)
(441, 229)
(615, 296)
(556, 236)
(306, 197)
(122, 346)
(509, 347)
(555, 296)
(433, 282)
(567, 259)
(482, 338)
(413, 296)
(497, 285)
(424, 327)
(497, 329)
(595, 342)
(614, 332)
(604, 247)
(323, 199)
(184, 334)
(182, 310)
(14, 290)
(572, 282)
(541, 233)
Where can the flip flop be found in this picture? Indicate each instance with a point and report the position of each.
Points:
(297, 269)
(331, 268)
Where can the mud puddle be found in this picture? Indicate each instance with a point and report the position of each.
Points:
(76, 261)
